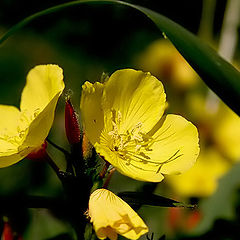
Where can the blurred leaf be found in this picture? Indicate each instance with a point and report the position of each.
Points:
(89, 232)
(218, 74)
(222, 203)
(63, 236)
(141, 198)
(45, 226)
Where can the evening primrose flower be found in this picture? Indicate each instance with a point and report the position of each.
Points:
(226, 133)
(24, 131)
(202, 179)
(163, 60)
(111, 216)
(123, 119)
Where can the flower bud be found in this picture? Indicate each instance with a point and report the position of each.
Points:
(8, 233)
(39, 153)
(71, 124)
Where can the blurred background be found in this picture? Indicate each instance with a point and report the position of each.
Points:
(88, 40)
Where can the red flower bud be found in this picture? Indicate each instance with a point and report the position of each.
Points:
(39, 153)
(8, 233)
(71, 124)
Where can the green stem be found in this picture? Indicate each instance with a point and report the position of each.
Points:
(227, 45)
(206, 23)
(65, 152)
(53, 165)
(67, 156)
(229, 33)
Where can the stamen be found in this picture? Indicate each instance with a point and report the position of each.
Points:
(133, 143)
(15, 137)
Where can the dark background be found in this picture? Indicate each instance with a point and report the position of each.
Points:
(85, 41)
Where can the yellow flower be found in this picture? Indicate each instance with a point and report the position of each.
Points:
(227, 133)
(202, 179)
(163, 60)
(23, 131)
(123, 119)
(111, 216)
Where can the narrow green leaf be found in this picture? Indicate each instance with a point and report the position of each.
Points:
(217, 73)
(141, 198)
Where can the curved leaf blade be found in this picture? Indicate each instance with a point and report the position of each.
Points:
(140, 198)
(217, 73)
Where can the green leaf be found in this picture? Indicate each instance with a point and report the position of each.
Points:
(63, 236)
(217, 73)
(136, 199)
(222, 203)
(45, 226)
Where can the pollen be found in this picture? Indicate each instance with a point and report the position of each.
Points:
(15, 137)
(133, 142)
(131, 132)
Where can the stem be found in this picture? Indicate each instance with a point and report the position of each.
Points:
(104, 170)
(53, 165)
(206, 23)
(67, 156)
(76, 159)
(229, 34)
(105, 185)
(77, 191)
(58, 147)
(227, 45)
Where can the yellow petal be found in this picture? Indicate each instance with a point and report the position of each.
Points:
(39, 128)
(163, 60)
(172, 149)
(91, 110)
(129, 132)
(10, 139)
(136, 96)
(9, 119)
(39, 98)
(202, 179)
(44, 82)
(7, 148)
(110, 216)
(103, 233)
(13, 157)
(21, 132)
(226, 133)
(135, 169)
(158, 59)
(175, 146)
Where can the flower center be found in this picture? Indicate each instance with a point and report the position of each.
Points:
(15, 136)
(131, 143)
